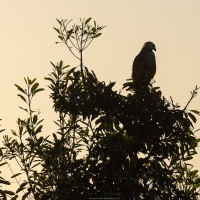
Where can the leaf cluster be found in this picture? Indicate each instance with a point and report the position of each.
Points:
(137, 144)
(78, 37)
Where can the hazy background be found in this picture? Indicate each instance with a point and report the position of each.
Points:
(27, 45)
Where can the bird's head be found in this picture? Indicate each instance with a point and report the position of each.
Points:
(150, 46)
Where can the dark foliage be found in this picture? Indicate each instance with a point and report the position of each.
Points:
(138, 142)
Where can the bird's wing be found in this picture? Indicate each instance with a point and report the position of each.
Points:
(138, 66)
(144, 66)
(151, 64)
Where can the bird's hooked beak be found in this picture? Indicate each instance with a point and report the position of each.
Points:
(150, 46)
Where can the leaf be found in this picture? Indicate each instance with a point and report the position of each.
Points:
(29, 81)
(9, 192)
(50, 79)
(35, 118)
(3, 163)
(60, 37)
(59, 22)
(70, 71)
(195, 111)
(23, 109)
(4, 182)
(97, 35)
(16, 175)
(52, 64)
(26, 195)
(55, 137)
(22, 97)
(14, 198)
(156, 88)
(20, 89)
(22, 186)
(25, 80)
(38, 90)
(34, 87)
(57, 30)
(193, 173)
(66, 66)
(2, 130)
(87, 20)
(111, 84)
(35, 165)
(39, 129)
(40, 121)
(70, 31)
(198, 140)
(187, 158)
(14, 133)
(193, 118)
(61, 63)
(33, 80)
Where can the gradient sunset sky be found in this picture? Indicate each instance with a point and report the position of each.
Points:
(27, 45)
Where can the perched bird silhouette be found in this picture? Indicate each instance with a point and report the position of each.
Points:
(144, 65)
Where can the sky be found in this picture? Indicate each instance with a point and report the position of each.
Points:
(27, 45)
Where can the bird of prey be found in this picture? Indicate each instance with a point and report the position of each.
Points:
(144, 65)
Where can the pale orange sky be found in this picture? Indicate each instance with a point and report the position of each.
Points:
(27, 45)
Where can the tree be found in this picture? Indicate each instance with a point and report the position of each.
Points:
(108, 144)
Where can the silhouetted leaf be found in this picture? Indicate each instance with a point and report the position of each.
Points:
(39, 129)
(193, 118)
(59, 22)
(20, 89)
(22, 186)
(4, 182)
(1, 164)
(195, 111)
(38, 90)
(16, 175)
(22, 97)
(57, 30)
(9, 192)
(34, 87)
(26, 194)
(97, 35)
(87, 20)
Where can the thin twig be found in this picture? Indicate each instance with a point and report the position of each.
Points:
(194, 93)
